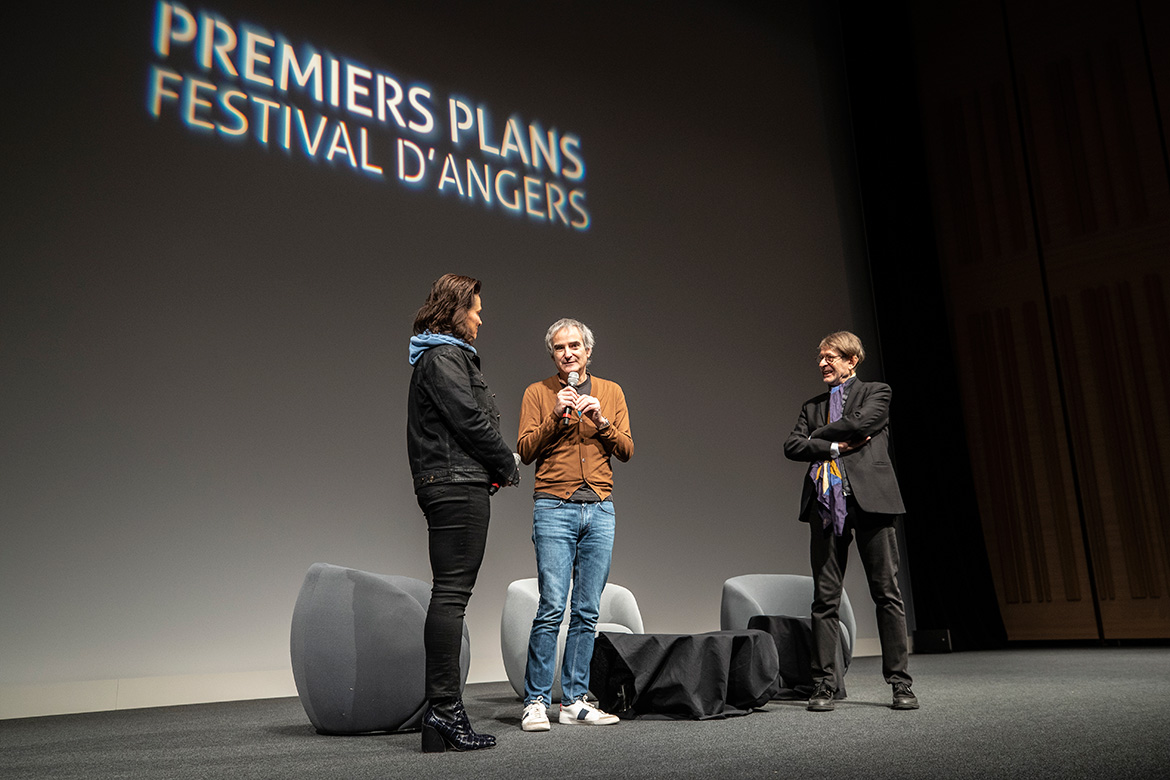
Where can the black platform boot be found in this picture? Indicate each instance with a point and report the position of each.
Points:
(446, 727)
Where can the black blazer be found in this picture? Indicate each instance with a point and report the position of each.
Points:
(869, 470)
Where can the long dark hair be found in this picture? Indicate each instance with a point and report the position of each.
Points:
(445, 311)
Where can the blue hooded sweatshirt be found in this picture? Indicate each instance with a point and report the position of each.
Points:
(425, 340)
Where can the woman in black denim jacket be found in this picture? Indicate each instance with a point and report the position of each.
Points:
(457, 459)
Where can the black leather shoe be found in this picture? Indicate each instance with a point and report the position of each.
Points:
(446, 727)
(821, 699)
(904, 698)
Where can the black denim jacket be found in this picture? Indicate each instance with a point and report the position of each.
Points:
(453, 424)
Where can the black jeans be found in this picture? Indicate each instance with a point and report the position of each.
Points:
(878, 549)
(457, 523)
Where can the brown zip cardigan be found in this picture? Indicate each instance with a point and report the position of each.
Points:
(568, 455)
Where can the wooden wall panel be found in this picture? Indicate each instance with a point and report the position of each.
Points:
(1102, 204)
(1011, 402)
(1045, 124)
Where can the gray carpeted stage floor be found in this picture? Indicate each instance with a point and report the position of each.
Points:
(1027, 713)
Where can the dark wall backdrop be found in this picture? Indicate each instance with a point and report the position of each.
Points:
(203, 342)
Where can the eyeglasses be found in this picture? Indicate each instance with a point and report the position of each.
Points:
(830, 359)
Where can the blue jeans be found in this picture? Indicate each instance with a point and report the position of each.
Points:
(574, 543)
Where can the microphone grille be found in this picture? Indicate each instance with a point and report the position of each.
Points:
(574, 377)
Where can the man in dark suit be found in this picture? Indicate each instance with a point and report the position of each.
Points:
(850, 490)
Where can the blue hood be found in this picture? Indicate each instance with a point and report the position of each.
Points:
(425, 340)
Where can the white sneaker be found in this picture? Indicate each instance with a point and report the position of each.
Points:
(535, 717)
(582, 713)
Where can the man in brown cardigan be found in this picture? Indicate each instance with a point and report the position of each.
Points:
(571, 424)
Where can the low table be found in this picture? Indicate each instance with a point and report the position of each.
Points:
(696, 676)
(794, 646)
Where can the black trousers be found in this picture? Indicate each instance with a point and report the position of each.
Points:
(457, 524)
(878, 549)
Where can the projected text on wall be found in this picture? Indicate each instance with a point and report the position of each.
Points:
(238, 82)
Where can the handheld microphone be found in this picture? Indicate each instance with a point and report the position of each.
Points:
(574, 378)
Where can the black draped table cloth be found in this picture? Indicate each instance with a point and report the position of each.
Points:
(697, 676)
(794, 646)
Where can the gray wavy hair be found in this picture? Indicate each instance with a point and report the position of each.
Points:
(568, 322)
(846, 343)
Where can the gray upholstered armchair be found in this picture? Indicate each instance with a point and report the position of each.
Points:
(357, 650)
(790, 595)
(619, 613)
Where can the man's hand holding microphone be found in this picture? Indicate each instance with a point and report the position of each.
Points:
(569, 401)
